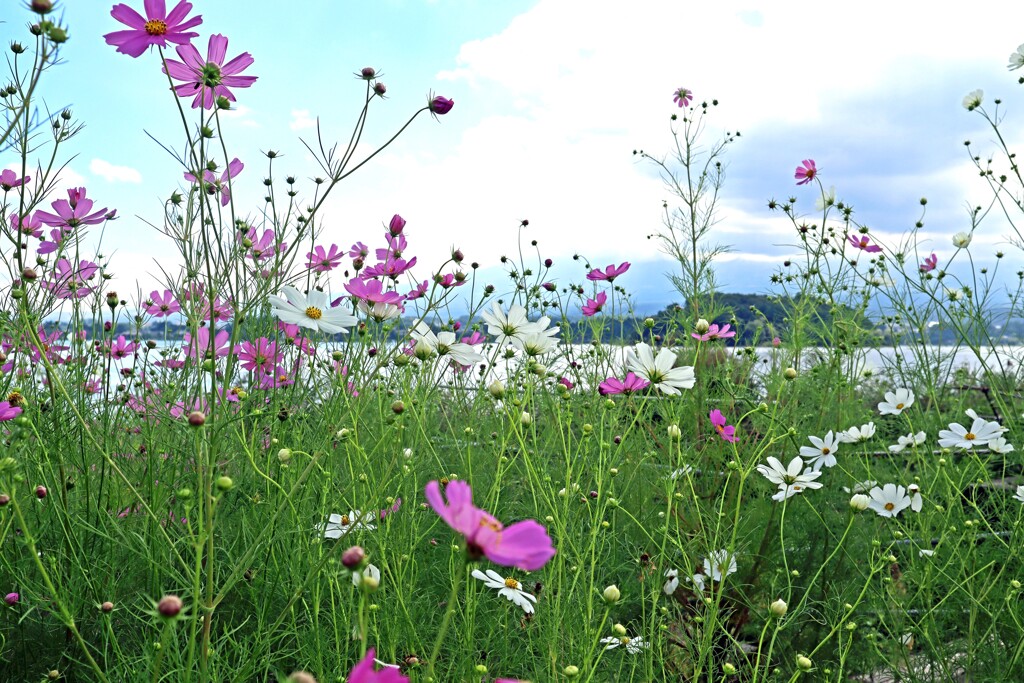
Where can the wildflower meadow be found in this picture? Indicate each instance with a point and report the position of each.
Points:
(310, 456)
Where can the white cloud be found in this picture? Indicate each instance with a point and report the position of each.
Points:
(114, 174)
(240, 114)
(301, 120)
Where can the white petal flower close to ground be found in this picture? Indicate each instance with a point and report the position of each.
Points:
(312, 311)
(791, 479)
(672, 582)
(857, 434)
(444, 344)
(508, 328)
(980, 432)
(633, 645)
(896, 401)
(889, 500)
(337, 525)
(369, 570)
(720, 564)
(823, 454)
(509, 587)
(908, 441)
(660, 370)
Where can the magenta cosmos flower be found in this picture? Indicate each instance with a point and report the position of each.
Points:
(930, 263)
(323, 261)
(727, 432)
(613, 385)
(525, 544)
(715, 332)
(8, 412)
(864, 243)
(364, 672)
(161, 305)
(682, 96)
(210, 78)
(10, 180)
(156, 28)
(806, 172)
(439, 106)
(222, 185)
(609, 273)
(594, 306)
(72, 212)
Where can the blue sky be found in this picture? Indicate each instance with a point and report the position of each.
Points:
(551, 98)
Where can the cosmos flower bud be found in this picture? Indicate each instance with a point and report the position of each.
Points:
(804, 663)
(169, 606)
(353, 557)
(368, 73)
(379, 89)
(571, 671)
(859, 502)
(11, 599)
(41, 492)
(196, 418)
(778, 608)
(728, 669)
(619, 630)
(107, 607)
(790, 373)
(674, 432)
(702, 326)
(526, 419)
(301, 677)
(225, 483)
(396, 226)
(611, 594)
(440, 106)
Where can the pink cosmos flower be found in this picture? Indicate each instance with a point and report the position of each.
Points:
(323, 261)
(391, 268)
(294, 338)
(864, 243)
(280, 377)
(525, 544)
(221, 310)
(593, 306)
(564, 381)
(8, 412)
(396, 245)
(714, 332)
(439, 106)
(210, 78)
(72, 212)
(264, 247)
(806, 172)
(631, 383)
(222, 185)
(727, 432)
(391, 510)
(418, 291)
(67, 282)
(156, 28)
(682, 96)
(261, 355)
(52, 245)
(449, 280)
(372, 292)
(122, 348)
(364, 672)
(27, 225)
(10, 180)
(396, 226)
(359, 251)
(930, 263)
(609, 273)
(200, 346)
(161, 305)
(776, 342)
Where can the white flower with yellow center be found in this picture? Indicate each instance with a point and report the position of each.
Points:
(312, 311)
(981, 431)
(908, 441)
(823, 454)
(719, 565)
(509, 587)
(660, 371)
(857, 434)
(889, 501)
(337, 525)
(896, 401)
(634, 646)
(443, 344)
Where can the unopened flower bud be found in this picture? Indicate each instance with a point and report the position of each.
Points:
(398, 407)
(41, 492)
(4, 499)
(169, 606)
(196, 418)
(301, 677)
(611, 594)
(496, 389)
(379, 89)
(702, 326)
(284, 455)
(225, 483)
(728, 669)
(107, 607)
(353, 557)
(526, 419)
(859, 502)
(778, 608)
(11, 599)
(804, 663)
(571, 671)
(674, 432)
(790, 373)
(619, 630)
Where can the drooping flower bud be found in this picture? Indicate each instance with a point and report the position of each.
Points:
(440, 106)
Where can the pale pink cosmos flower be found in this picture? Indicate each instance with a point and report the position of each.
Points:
(122, 348)
(52, 245)
(682, 97)
(372, 292)
(69, 282)
(200, 346)
(359, 251)
(594, 306)
(715, 332)
(609, 273)
(806, 172)
(156, 28)
(27, 225)
(525, 544)
(727, 432)
(210, 78)
(10, 180)
(630, 384)
(864, 243)
(930, 263)
(222, 185)
(364, 672)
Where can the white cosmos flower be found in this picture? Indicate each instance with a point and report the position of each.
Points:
(633, 645)
(510, 588)
(791, 479)
(962, 240)
(861, 486)
(896, 401)
(672, 576)
(660, 371)
(508, 328)
(824, 452)
(981, 431)
(999, 445)
(1020, 494)
(370, 570)
(379, 311)
(924, 552)
(312, 311)
(1016, 59)
(444, 344)
(698, 582)
(908, 441)
(857, 434)
(827, 198)
(916, 500)
(719, 565)
(337, 525)
(889, 501)
(973, 99)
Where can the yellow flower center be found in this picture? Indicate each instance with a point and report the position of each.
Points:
(899, 406)
(15, 399)
(826, 450)
(890, 506)
(345, 521)
(314, 313)
(970, 436)
(511, 583)
(625, 640)
(156, 27)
